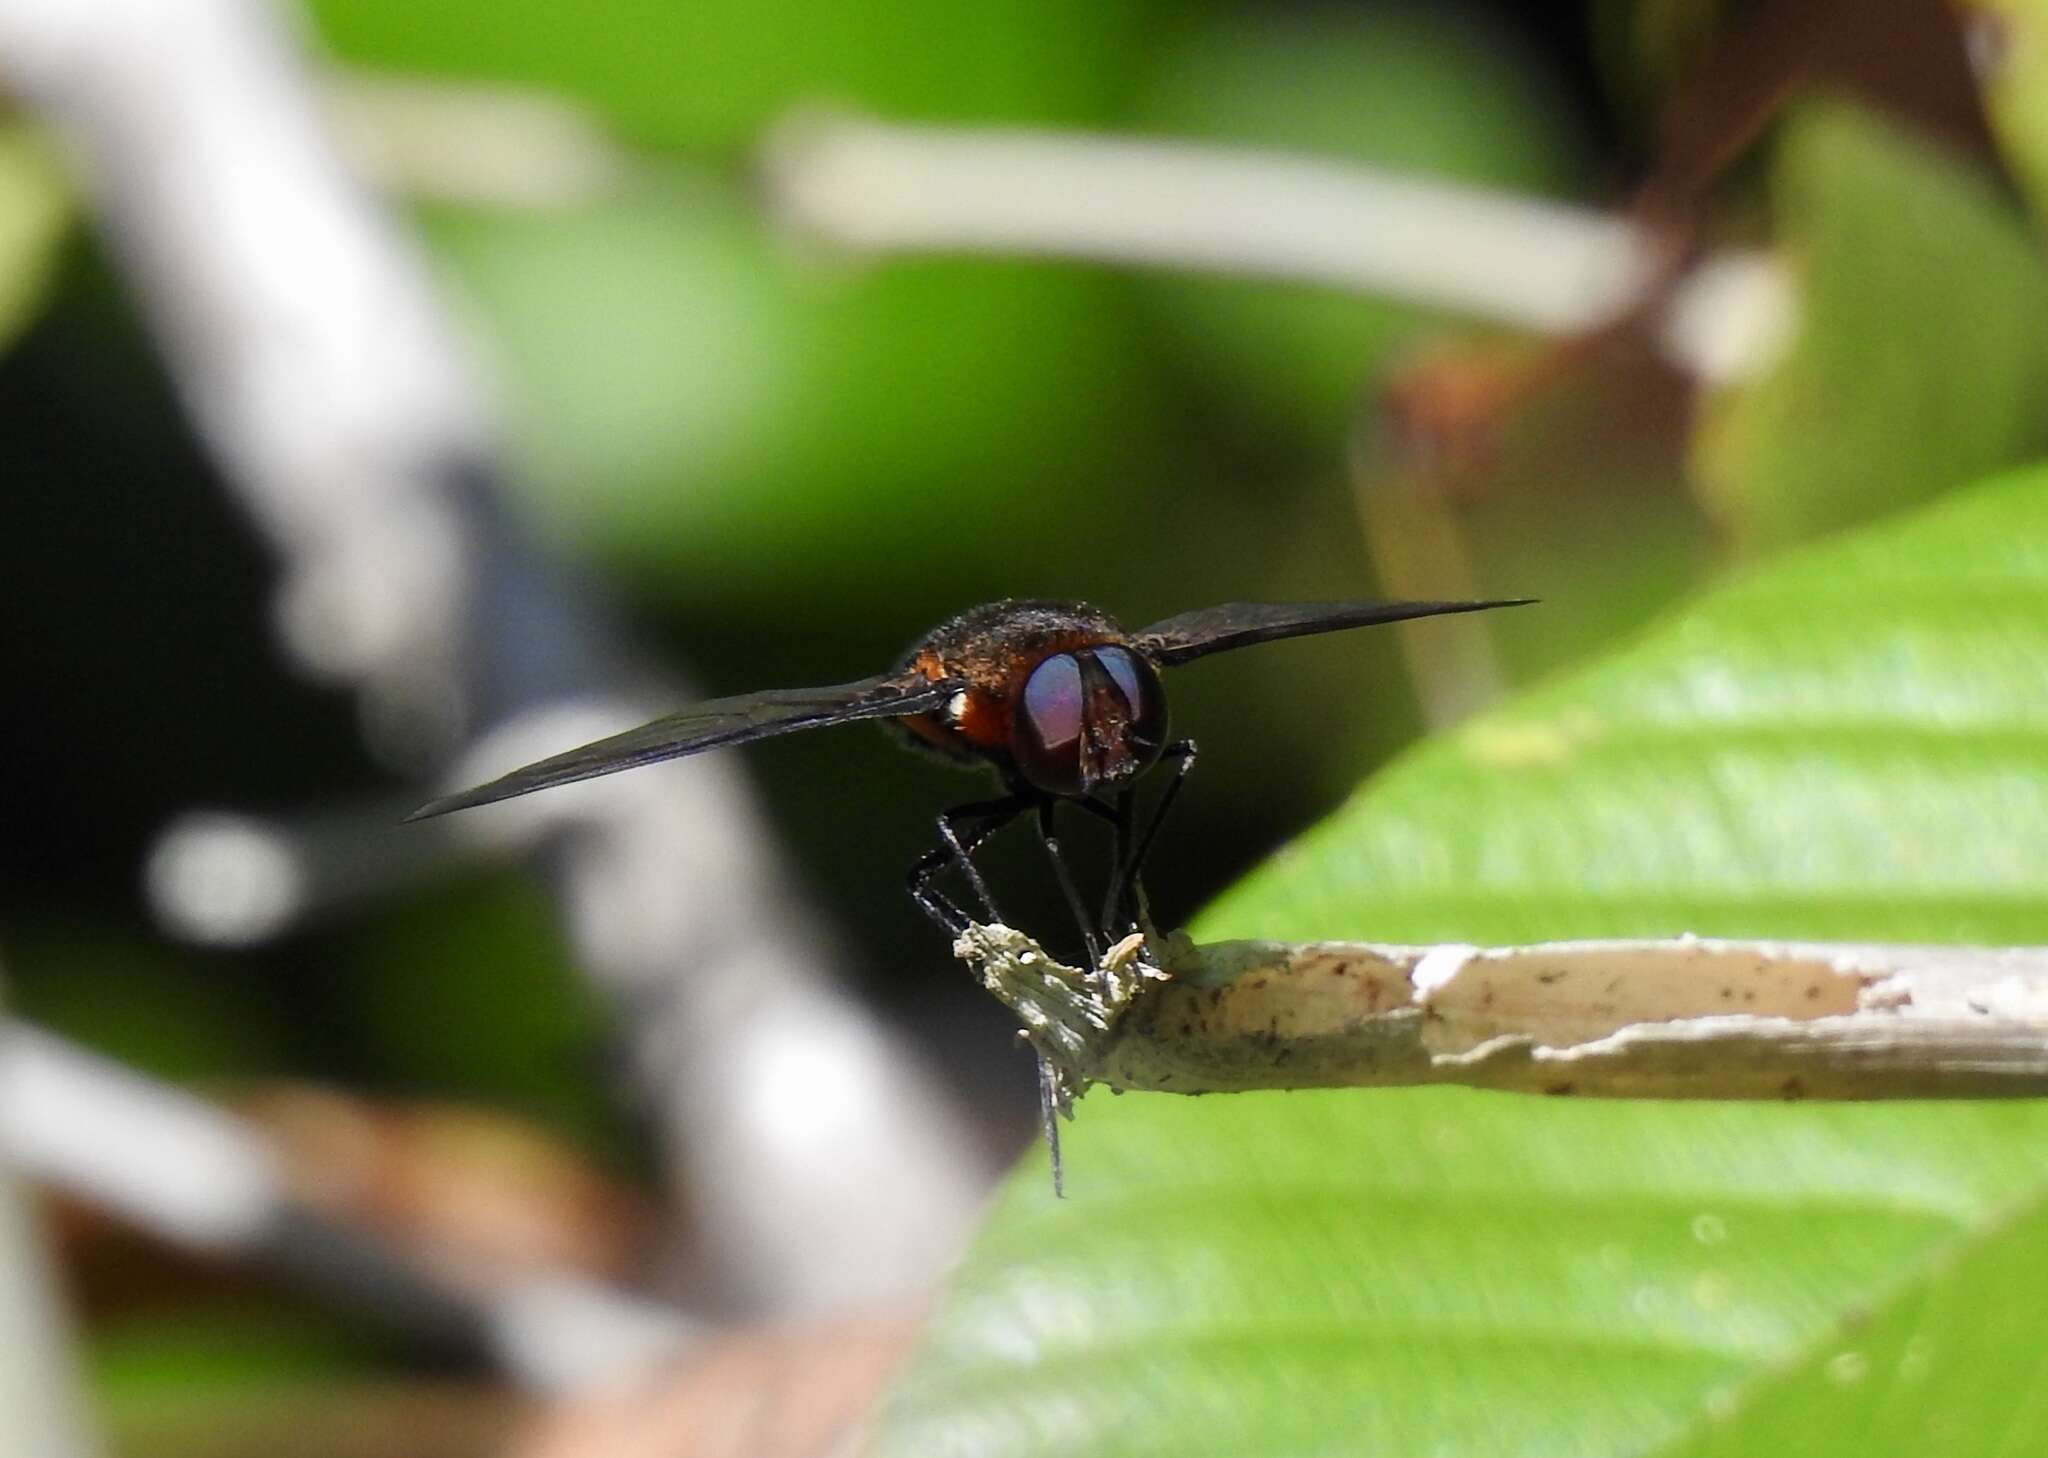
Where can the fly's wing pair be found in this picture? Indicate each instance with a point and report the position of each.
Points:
(710, 725)
(748, 717)
(1218, 629)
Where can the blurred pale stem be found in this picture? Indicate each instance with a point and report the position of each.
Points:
(1683, 1018)
(1518, 261)
(193, 1175)
(1419, 551)
(41, 1406)
(480, 145)
(228, 880)
(300, 329)
(816, 1161)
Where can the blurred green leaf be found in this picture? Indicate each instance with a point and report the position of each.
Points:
(133, 999)
(471, 996)
(1922, 357)
(711, 408)
(1854, 744)
(2012, 57)
(138, 1359)
(1428, 92)
(364, 1417)
(1646, 49)
(35, 211)
(252, 1380)
(639, 339)
(715, 73)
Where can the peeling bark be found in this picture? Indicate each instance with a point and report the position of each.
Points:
(1688, 1017)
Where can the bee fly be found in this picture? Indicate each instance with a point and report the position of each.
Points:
(1063, 703)
(1057, 698)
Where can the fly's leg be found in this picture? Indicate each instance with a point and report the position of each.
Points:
(958, 849)
(1127, 883)
(1051, 842)
(1120, 858)
(1049, 1113)
(1118, 821)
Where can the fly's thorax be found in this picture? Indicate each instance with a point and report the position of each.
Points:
(993, 651)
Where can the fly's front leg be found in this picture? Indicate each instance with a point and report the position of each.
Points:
(958, 849)
(1120, 856)
(1128, 879)
(949, 918)
(1182, 753)
(1051, 842)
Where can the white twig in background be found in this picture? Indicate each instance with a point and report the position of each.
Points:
(301, 331)
(200, 1178)
(305, 336)
(472, 144)
(834, 1171)
(168, 1162)
(1689, 1017)
(1522, 262)
(42, 1412)
(221, 879)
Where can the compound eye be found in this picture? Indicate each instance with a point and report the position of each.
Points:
(1046, 742)
(1089, 718)
(1145, 696)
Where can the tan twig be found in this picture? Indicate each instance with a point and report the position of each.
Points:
(1682, 1018)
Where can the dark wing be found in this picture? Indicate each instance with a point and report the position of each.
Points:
(709, 725)
(1241, 624)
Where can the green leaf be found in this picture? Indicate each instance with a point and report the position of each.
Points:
(131, 997)
(714, 73)
(2012, 65)
(35, 212)
(717, 412)
(1853, 743)
(1921, 360)
(529, 1026)
(1416, 90)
